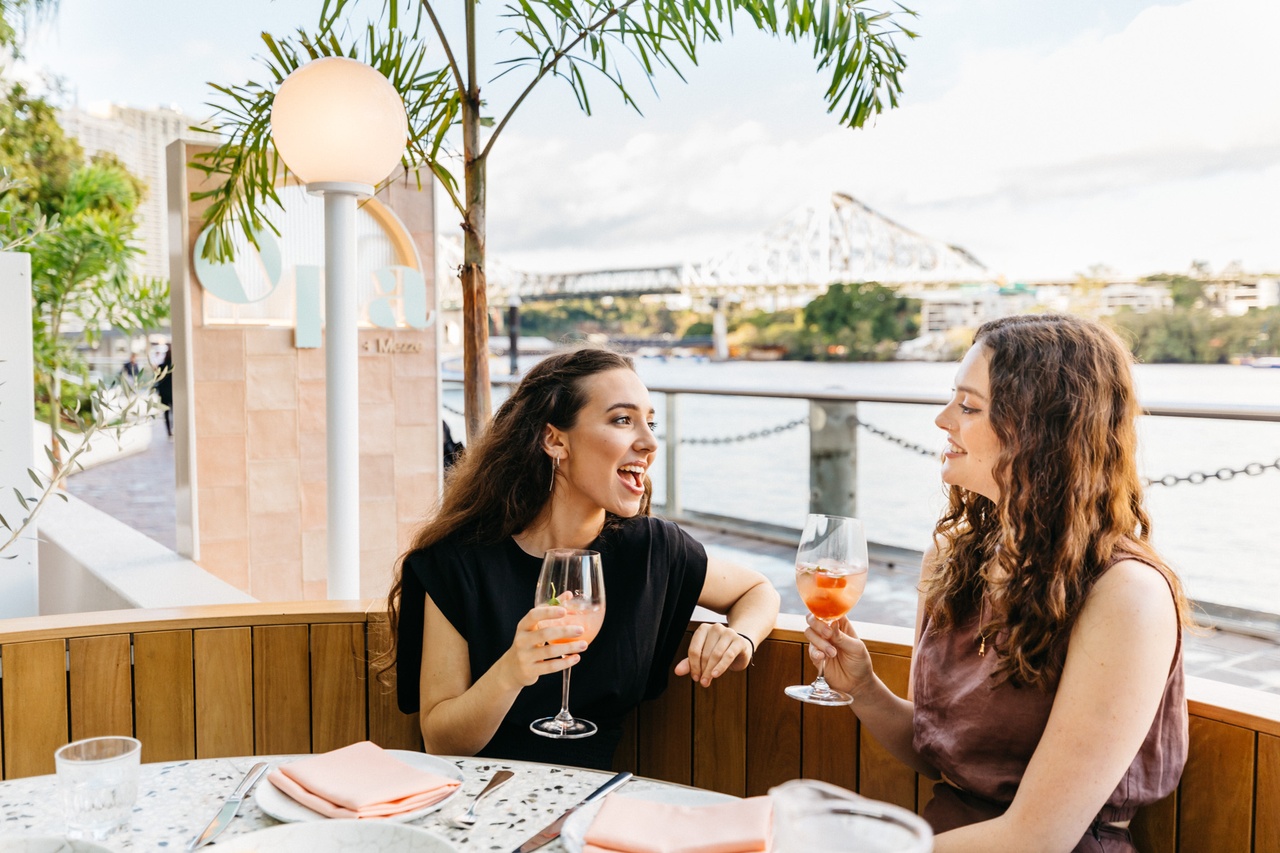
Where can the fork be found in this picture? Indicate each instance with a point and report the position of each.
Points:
(467, 819)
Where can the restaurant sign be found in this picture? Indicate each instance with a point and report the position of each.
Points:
(279, 281)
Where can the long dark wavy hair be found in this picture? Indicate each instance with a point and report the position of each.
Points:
(1065, 411)
(501, 483)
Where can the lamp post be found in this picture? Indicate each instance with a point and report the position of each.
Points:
(340, 126)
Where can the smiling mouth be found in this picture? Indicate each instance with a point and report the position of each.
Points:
(951, 449)
(633, 477)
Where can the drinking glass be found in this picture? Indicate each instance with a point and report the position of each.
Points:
(573, 580)
(831, 573)
(98, 778)
(811, 815)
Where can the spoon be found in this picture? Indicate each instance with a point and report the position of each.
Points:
(467, 819)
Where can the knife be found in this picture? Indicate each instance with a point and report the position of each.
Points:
(229, 808)
(552, 830)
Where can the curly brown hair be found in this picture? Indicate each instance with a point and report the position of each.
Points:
(500, 484)
(1064, 409)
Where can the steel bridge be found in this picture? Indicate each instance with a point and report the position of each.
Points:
(786, 265)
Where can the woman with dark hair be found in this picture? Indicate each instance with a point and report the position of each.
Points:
(563, 465)
(1046, 691)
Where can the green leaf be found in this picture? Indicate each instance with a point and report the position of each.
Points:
(21, 499)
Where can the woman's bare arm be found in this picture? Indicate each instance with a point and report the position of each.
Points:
(749, 601)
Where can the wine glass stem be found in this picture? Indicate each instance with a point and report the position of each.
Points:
(820, 683)
(564, 718)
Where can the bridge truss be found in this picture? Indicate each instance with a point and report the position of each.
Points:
(786, 265)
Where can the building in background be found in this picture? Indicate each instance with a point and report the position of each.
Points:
(138, 138)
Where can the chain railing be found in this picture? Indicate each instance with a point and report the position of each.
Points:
(1195, 478)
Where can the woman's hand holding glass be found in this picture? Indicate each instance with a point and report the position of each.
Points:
(848, 663)
(541, 646)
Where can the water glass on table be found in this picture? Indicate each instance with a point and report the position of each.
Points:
(98, 779)
(831, 573)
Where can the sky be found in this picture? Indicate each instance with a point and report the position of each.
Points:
(1047, 139)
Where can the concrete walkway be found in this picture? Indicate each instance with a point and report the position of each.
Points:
(139, 490)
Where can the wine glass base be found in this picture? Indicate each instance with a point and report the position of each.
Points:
(807, 693)
(551, 727)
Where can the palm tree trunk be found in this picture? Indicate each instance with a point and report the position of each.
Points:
(475, 301)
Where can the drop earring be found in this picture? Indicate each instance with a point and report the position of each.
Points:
(555, 466)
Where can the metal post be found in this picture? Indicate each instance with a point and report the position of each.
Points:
(673, 508)
(342, 384)
(833, 458)
(513, 333)
(720, 330)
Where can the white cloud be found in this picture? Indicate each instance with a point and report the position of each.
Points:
(1142, 148)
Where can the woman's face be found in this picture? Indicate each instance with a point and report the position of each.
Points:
(605, 456)
(972, 445)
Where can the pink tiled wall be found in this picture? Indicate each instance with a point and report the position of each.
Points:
(260, 443)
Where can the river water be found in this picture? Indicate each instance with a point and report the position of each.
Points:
(1220, 536)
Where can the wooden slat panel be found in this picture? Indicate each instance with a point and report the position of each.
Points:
(1266, 835)
(665, 731)
(35, 706)
(880, 775)
(101, 684)
(164, 695)
(1216, 801)
(281, 689)
(339, 713)
(624, 757)
(388, 727)
(224, 692)
(1155, 827)
(720, 734)
(831, 741)
(773, 720)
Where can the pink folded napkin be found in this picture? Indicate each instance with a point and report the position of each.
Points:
(631, 825)
(360, 781)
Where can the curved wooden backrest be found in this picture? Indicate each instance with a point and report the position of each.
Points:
(279, 678)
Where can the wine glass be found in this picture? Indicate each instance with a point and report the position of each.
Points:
(573, 580)
(810, 815)
(831, 573)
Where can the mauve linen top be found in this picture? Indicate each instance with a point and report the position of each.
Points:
(981, 736)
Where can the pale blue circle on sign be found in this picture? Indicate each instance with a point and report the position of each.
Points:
(222, 280)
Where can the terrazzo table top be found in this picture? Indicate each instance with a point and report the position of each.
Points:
(177, 799)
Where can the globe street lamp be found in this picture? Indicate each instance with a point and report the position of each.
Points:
(340, 126)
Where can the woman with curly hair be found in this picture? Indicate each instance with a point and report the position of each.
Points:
(564, 464)
(1046, 690)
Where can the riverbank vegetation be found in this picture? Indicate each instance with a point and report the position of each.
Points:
(1186, 334)
(868, 321)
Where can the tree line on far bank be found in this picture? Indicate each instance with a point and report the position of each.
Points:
(867, 322)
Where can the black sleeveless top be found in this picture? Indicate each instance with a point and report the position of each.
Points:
(653, 575)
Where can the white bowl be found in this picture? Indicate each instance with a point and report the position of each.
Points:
(337, 836)
(49, 844)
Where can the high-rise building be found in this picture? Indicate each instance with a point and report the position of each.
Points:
(138, 138)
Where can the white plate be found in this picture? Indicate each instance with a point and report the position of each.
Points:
(575, 828)
(281, 806)
(337, 836)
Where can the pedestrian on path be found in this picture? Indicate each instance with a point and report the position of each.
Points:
(164, 388)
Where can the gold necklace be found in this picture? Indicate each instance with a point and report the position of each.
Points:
(982, 637)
